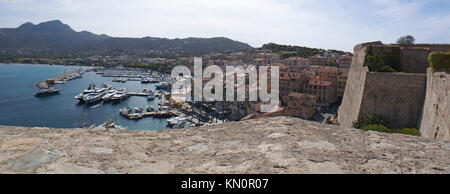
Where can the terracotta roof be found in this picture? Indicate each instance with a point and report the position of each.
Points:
(319, 83)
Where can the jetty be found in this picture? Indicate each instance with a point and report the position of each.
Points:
(60, 79)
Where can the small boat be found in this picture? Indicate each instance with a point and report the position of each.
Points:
(150, 109)
(163, 86)
(151, 95)
(47, 92)
(138, 110)
(125, 111)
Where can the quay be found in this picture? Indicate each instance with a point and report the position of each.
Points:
(60, 79)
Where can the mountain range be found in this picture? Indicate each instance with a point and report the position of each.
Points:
(55, 37)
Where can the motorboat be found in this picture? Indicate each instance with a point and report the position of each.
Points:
(163, 86)
(151, 95)
(125, 111)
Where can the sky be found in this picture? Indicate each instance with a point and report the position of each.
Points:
(328, 24)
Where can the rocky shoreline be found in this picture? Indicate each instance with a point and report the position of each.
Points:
(275, 145)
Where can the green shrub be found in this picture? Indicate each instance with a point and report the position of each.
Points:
(439, 61)
(408, 131)
(370, 119)
(377, 64)
(384, 129)
(379, 128)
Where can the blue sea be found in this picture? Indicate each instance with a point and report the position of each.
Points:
(19, 107)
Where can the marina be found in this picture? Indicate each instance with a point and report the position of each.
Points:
(90, 99)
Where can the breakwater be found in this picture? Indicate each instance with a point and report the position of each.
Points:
(60, 79)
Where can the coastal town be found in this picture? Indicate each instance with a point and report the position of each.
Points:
(311, 88)
(248, 90)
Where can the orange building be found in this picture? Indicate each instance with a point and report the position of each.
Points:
(325, 91)
(296, 61)
(317, 60)
(323, 73)
(345, 61)
(300, 105)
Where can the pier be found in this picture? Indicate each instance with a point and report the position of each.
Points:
(138, 94)
(60, 79)
(137, 116)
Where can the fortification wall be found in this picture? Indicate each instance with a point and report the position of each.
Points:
(435, 122)
(349, 110)
(396, 96)
(415, 60)
(399, 96)
(432, 47)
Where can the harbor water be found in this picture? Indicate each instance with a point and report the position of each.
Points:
(19, 106)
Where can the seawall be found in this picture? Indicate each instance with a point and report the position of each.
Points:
(274, 145)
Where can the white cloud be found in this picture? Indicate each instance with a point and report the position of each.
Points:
(324, 24)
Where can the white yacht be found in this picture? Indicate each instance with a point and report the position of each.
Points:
(108, 96)
(94, 97)
(93, 90)
(121, 94)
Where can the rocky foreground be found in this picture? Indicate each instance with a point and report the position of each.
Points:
(274, 145)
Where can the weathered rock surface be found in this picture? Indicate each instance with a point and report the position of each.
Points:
(274, 145)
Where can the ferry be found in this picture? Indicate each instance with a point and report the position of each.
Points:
(47, 92)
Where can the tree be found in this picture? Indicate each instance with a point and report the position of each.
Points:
(405, 40)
